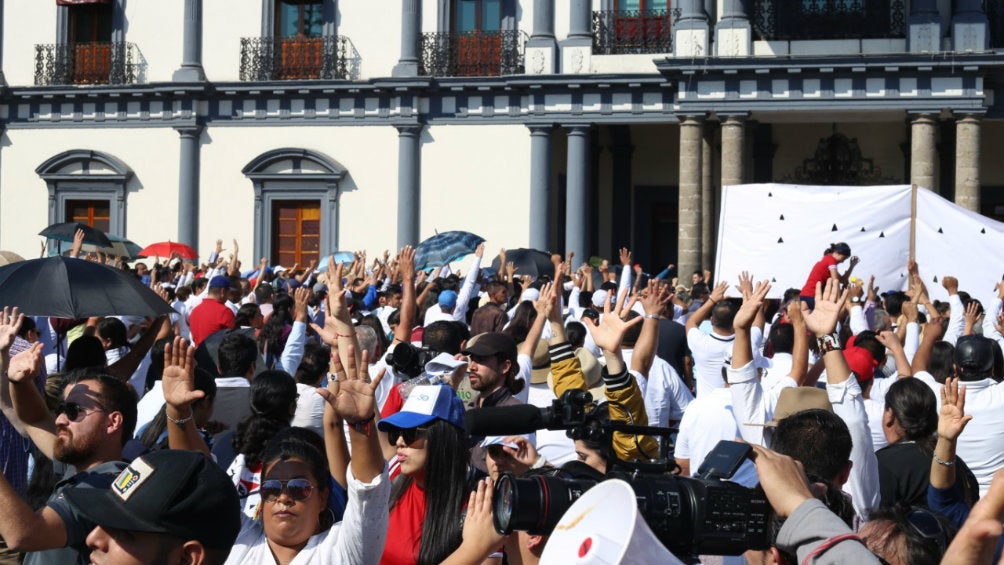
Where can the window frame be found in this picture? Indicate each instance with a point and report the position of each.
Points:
(269, 20)
(294, 184)
(64, 183)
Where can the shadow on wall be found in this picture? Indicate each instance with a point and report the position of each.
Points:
(353, 61)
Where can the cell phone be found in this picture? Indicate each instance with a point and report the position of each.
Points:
(724, 460)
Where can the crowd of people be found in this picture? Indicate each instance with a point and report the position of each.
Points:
(320, 414)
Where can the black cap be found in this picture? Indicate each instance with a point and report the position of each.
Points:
(175, 492)
(492, 343)
(974, 355)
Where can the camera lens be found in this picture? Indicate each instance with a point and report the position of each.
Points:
(534, 504)
(502, 511)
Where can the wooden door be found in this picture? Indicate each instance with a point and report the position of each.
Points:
(477, 26)
(90, 48)
(94, 213)
(300, 49)
(296, 232)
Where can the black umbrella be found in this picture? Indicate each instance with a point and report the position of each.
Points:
(530, 262)
(74, 288)
(65, 231)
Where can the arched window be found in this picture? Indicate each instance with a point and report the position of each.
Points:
(89, 187)
(295, 205)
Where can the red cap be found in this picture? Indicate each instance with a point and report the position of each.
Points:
(860, 361)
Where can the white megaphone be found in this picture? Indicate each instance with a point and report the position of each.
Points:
(604, 527)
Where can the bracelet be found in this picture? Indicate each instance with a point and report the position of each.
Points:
(337, 335)
(653, 316)
(829, 343)
(944, 463)
(362, 426)
(182, 421)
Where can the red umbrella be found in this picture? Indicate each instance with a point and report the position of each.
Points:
(168, 249)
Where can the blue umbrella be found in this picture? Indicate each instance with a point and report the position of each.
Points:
(340, 257)
(446, 247)
(120, 246)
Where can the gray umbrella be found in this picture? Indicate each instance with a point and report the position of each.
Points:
(74, 288)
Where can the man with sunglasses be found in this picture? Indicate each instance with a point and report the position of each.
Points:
(85, 438)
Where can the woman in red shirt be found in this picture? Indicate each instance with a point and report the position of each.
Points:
(826, 268)
(428, 477)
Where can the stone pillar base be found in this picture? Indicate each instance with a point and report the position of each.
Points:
(541, 56)
(734, 39)
(576, 56)
(970, 33)
(691, 40)
(924, 35)
(408, 69)
(189, 74)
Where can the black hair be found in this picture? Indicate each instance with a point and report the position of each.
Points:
(263, 293)
(941, 363)
(85, 352)
(246, 314)
(205, 382)
(894, 303)
(575, 332)
(493, 287)
(700, 289)
(723, 314)
(915, 409)
(305, 445)
(444, 336)
(395, 318)
(781, 337)
(634, 332)
(27, 325)
(237, 354)
(834, 247)
(183, 293)
(522, 319)
(446, 466)
(155, 370)
(271, 337)
(273, 396)
(816, 438)
(868, 340)
(313, 364)
(920, 549)
(115, 396)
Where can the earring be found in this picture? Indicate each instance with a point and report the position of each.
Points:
(326, 519)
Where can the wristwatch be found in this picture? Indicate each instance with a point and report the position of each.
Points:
(856, 299)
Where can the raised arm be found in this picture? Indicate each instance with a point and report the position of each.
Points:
(957, 313)
(124, 368)
(657, 297)
(951, 422)
(467, 289)
(702, 313)
(78, 242)
(891, 341)
(27, 401)
(409, 308)
(933, 330)
(179, 395)
(800, 349)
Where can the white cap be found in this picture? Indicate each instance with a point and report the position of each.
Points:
(443, 364)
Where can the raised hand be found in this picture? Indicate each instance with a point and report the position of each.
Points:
(745, 286)
(658, 296)
(355, 396)
(301, 296)
(890, 340)
(480, 250)
(524, 452)
(480, 537)
(952, 419)
(829, 303)
(752, 301)
(972, 314)
(178, 380)
(718, 293)
(25, 365)
(783, 480)
(625, 256)
(10, 324)
(609, 333)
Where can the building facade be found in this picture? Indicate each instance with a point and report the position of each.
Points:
(299, 127)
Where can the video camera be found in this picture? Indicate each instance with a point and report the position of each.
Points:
(705, 515)
(409, 360)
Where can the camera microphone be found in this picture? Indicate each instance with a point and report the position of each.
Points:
(504, 420)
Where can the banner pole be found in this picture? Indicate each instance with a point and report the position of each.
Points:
(913, 222)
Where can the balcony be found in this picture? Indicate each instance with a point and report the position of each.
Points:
(85, 63)
(828, 19)
(472, 54)
(294, 58)
(629, 32)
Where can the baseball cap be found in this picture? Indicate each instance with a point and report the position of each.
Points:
(219, 281)
(278, 269)
(793, 400)
(974, 355)
(861, 362)
(448, 298)
(492, 343)
(426, 403)
(181, 493)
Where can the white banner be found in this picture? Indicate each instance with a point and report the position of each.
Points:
(780, 231)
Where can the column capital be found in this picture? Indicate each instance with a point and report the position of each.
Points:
(540, 129)
(577, 128)
(409, 129)
(190, 130)
(691, 119)
(730, 118)
(931, 116)
(970, 117)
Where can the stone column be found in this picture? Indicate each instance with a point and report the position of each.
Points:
(691, 31)
(541, 49)
(691, 153)
(733, 150)
(541, 217)
(924, 35)
(409, 184)
(967, 162)
(411, 36)
(707, 196)
(191, 54)
(577, 190)
(923, 151)
(733, 33)
(188, 185)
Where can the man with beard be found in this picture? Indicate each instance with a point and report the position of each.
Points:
(95, 418)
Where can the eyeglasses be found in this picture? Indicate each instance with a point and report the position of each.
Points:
(929, 527)
(297, 489)
(74, 410)
(410, 435)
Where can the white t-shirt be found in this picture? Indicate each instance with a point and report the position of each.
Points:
(309, 409)
(357, 540)
(874, 409)
(666, 397)
(981, 444)
(708, 420)
(710, 352)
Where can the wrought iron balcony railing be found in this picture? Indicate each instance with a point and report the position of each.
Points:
(828, 19)
(294, 58)
(472, 54)
(634, 31)
(85, 63)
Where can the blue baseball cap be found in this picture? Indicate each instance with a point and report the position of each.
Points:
(219, 281)
(426, 403)
(448, 298)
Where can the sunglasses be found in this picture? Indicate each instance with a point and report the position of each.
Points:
(297, 489)
(74, 410)
(410, 435)
(929, 527)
